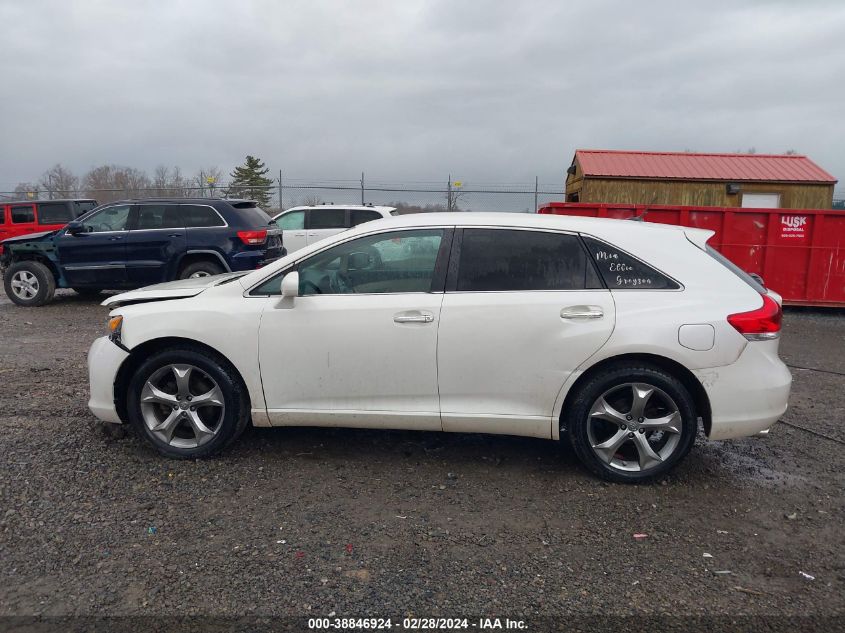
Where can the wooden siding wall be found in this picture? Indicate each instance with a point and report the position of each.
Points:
(693, 193)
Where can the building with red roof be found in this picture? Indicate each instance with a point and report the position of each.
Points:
(788, 181)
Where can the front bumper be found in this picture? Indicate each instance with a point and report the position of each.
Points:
(104, 361)
(748, 396)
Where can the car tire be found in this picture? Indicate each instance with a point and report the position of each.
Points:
(636, 442)
(159, 400)
(203, 268)
(88, 292)
(29, 283)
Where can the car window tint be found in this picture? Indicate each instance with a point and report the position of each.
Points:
(108, 219)
(504, 260)
(327, 219)
(620, 270)
(359, 216)
(82, 207)
(54, 213)
(197, 216)
(158, 216)
(399, 261)
(293, 221)
(23, 215)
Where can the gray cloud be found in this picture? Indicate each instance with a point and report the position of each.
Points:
(487, 91)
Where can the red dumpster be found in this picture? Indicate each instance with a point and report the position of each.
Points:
(799, 253)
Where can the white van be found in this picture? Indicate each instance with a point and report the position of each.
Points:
(305, 225)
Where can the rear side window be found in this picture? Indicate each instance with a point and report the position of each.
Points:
(359, 216)
(736, 270)
(157, 216)
(23, 215)
(327, 219)
(197, 216)
(54, 213)
(620, 270)
(502, 260)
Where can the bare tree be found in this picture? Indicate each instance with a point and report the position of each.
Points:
(169, 183)
(107, 183)
(59, 182)
(312, 199)
(26, 191)
(208, 181)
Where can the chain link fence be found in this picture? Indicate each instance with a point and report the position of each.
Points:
(410, 197)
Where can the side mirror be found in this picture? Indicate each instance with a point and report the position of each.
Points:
(290, 284)
(75, 228)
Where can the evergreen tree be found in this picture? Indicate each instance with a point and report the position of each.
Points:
(250, 181)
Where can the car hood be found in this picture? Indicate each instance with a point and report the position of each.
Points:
(179, 289)
(30, 237)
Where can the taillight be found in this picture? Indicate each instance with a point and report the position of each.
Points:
(253, 238)
(761, 324)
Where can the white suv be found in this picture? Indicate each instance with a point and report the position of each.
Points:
(302, 226)
(619, 336)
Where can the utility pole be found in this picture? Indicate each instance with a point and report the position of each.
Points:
(50, 185)
(449, 193)
(362, 188)
(281, 206)
(536, 187)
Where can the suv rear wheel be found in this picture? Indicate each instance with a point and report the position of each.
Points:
(29, 283)
(632, 423)
(204, 268)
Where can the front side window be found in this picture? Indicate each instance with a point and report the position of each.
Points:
(109, 219)
(327, 219)
(293, 221)
(196, 216)
(54, 213)
(23, 215)
(507, 260)
(619, 270)
(157, 216)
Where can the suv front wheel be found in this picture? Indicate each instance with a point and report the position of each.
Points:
(29, 283)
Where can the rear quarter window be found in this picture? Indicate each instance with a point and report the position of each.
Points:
(621, 271)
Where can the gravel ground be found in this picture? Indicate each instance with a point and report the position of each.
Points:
(298, 522)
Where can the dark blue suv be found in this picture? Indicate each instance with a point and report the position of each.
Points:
(136, 243)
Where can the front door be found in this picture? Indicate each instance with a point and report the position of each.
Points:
(522, 310)
(154, 244)
(97, 256)
(358, 346)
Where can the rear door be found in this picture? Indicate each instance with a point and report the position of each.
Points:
(155, 243)
(325, 221)
(522, 310)
(21, 219)
(97, 256)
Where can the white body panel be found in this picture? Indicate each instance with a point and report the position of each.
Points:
(493, 362)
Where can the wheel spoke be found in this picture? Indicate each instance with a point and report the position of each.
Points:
(183, 379)
(166, 427)
(603, 411)
(151, 393)
(213, 398)
(671, 423)
(607, 449)
(641, 394)
(201, 431)
(647, 456)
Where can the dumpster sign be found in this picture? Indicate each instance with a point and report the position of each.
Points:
(793, 226)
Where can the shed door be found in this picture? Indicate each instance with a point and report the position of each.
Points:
(761, 200)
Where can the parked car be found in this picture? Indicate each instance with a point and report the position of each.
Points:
(619, 337)
(137, 243)
(32, 216)
(302, 226)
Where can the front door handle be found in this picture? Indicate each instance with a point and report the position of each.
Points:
(115, 238)
(422, 317)
(581, 313)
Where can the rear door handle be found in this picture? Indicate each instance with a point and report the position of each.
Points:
(581, 313)
(421, 317)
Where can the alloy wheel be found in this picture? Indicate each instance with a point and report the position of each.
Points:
(25, 285)
(182, 406)
(634, 427)
(198, 274)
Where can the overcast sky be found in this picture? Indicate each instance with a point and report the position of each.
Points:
(409, 90)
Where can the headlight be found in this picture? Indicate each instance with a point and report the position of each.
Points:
(115, 325)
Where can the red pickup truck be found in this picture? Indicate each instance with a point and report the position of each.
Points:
(35, 216)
